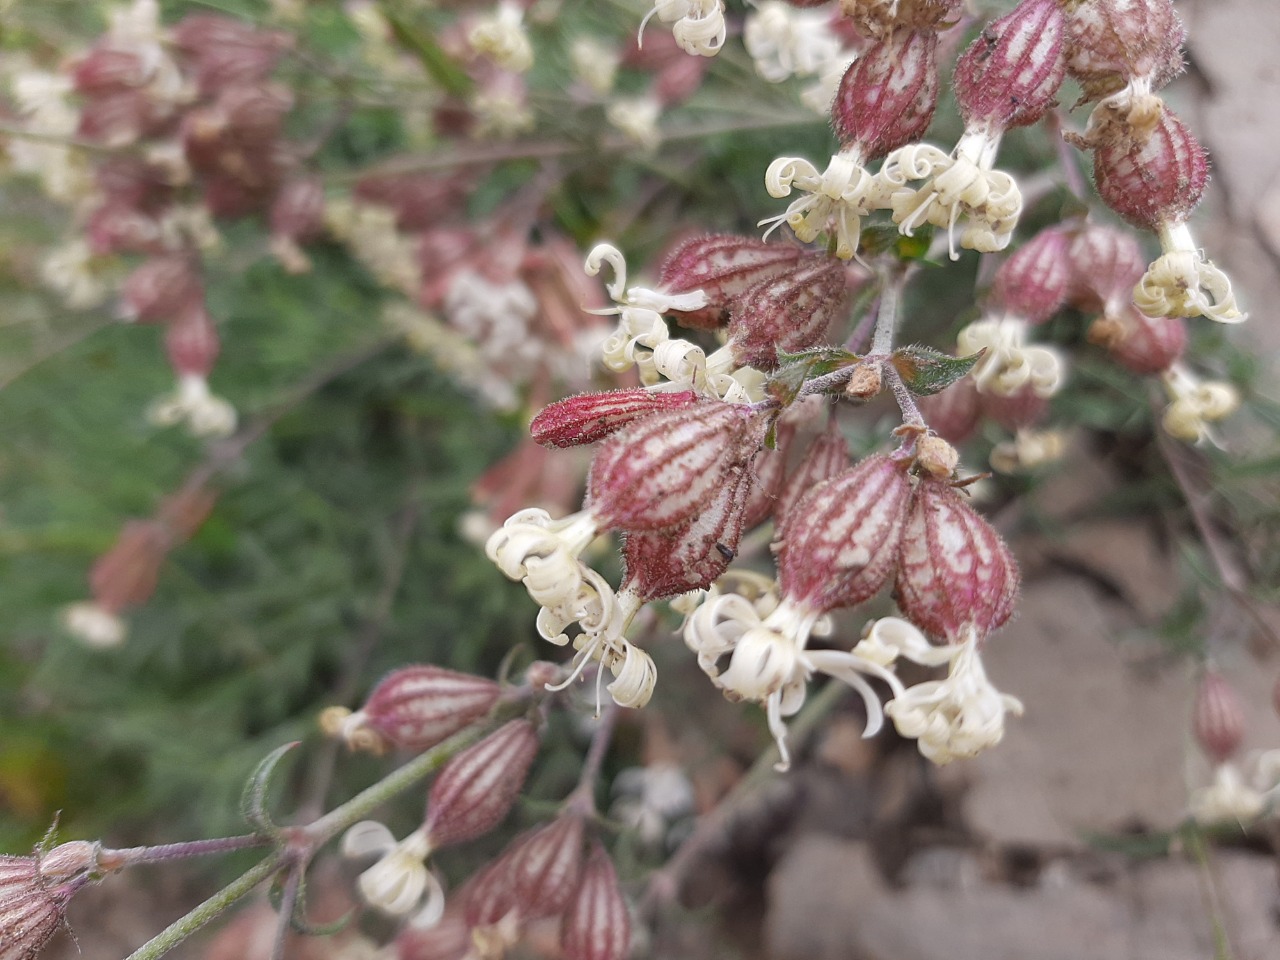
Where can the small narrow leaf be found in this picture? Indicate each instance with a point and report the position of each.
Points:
(926, 371)
(795, 369)
(253, 801)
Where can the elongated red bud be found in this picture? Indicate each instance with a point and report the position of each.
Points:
(183, 512)
(827, 457)
(160, 289)
(838, 544)
(954, 570)
(723, 266)
(1157, 182)
(1009, 75)
(546, 867)
(413, 708)
(126, 575)
(476, 789)
(1106, 263)
(790, 311)
(888, 95)
(589, 417)
(1218, 717)
(693, 555)
(662, 470)
(1033, 283)
(192, 343)
(596, 925)
(1113, 42)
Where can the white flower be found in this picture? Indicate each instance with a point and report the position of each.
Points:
(1194, 404)
(957, 717)
(838, 199)
(543, 553)
(496, 314)
(769, 662)
(75, 273)
(399, 883)
(595, 63)
(1228, 799)
(1182, 283)
(501, 37)
(1027, 450)
(643, 340)
(788, 42)
(205, 414)
(95, 625)
(650, 798)
(697, 25)
(637, 117)
(959, 184)
(1009, 363)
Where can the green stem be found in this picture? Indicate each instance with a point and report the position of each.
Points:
(186, 926)
(110, 860)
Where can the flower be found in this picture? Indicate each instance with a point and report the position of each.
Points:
(650, 798)
(838, 198)
(637, 117)
(1182, 283)
(697, 25)
(1228, 799)
(788, 42)
(501, 37)
(400, 881)
(205, 415)
(1009, 364)
(949, 719)
(1195, 404)
(92, 623)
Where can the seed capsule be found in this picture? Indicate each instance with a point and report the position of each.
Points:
(589, 417)
(1139, 343)
(837, 545)
(476, 789)
(954, 570)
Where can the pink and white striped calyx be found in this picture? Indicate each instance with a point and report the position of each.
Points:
(837, 547)
(1007, 78)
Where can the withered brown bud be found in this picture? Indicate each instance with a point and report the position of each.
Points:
(954, 570)
(1218, 719)
(589, 417)
(878, 18)
(476, 789)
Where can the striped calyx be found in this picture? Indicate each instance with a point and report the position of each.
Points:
(476, 789)
(1009, 75)
(723, 266)
(888, 95)
(790, 311)
(838, 544)
(662, 470)
(954, 570)
(1157, 182)
(1105, 264)
(1034, 282)
(589, 417)
(596, 925)
(1111, 43)
(1217, 719)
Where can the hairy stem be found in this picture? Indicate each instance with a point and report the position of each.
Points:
(111, 860)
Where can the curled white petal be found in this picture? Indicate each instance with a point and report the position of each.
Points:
(1195, 404)
(1227, 800)
(501, 37)
(785, 41)
(1009, 363)
(368, 838)
(1182, 283)
(396, 883)
(94, 625)
(205, 414)
(836, 201)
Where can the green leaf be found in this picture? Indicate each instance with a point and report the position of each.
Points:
(880, 238)
(253, 802)
(443, 70)
(926, 371)
(796, 369)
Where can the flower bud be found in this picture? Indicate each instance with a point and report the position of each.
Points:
(954, 570)
(476, 789)
(662, 470)
(191, 342)
(414, 708)
(126, 575)
(589, 417)
(952, 413)
(1105, 264)
(789, 312)
(545, 868)
(692, 555)
(723, 266)
(837, 545)
(1008, 77)
(1153, 183)
(1032, 284)
(888, 95)
(1114, 42)
(1013, 411)
(104, 71)
(1139, 343)
(183, 512)
(1218, 717)
(827, 457)
(33, 905)
(160, 289)
(596, 925)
